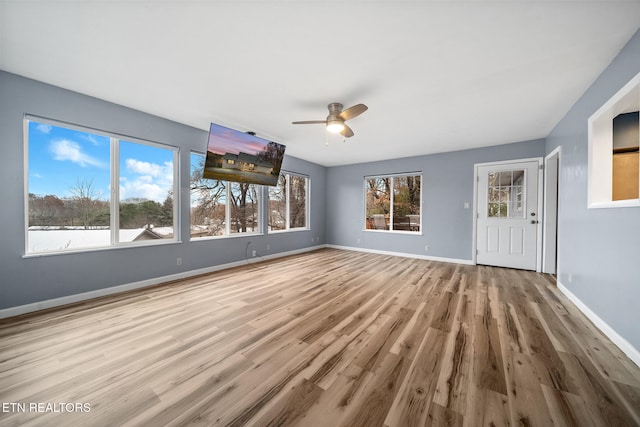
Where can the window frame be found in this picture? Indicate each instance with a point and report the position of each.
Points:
(227, 210)
(288, 228)
(420, 232)
(114, 191)
(600, 147)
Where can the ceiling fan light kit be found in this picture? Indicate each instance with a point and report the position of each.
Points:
(335, 121)
(335, 126)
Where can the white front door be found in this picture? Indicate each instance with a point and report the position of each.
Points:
(507, 214)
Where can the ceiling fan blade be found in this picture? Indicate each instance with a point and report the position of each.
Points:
(309, 122)
(354, 111)
(347, 132)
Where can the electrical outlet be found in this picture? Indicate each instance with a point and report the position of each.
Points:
(253, 253)
(178, 261)
(358, 240)
(268, 246)
(426, 248)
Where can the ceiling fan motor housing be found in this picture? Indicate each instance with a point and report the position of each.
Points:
(335, 109)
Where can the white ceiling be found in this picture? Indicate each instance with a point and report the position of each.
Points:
(437, 75)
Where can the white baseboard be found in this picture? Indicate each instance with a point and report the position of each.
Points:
(70, 299)
(402, 254)
(616, 338)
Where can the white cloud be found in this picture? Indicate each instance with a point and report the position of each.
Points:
(143, 190)
(44, 128)
(144, 168)
(63, 149)
(146, 180)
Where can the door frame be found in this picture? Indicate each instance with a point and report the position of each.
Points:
(551, 206)
(476, 166)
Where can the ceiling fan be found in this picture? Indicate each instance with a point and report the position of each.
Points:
(337, 117)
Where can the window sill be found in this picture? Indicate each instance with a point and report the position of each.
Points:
(224, 237)
(408, 233)
(99, 249)
(631, 203)
(291, 230)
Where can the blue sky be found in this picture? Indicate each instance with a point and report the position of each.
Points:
(60, 158)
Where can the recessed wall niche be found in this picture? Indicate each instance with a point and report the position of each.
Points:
(626, 162)
(613, 138)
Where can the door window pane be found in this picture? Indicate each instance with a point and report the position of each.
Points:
(505, 194)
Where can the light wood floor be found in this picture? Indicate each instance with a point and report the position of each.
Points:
(328, 338)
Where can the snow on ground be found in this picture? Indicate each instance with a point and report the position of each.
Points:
(54, 240)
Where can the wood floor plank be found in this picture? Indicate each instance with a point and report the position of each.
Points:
(326, 338)
(415, 394)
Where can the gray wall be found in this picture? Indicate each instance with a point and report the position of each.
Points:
(599, 249)
(447, 183)
(34, 279)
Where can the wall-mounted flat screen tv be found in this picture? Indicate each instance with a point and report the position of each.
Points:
(242, 157)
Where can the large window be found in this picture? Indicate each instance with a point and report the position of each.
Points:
(88, 189)
(393, 203)
(289, 203)
(221, 208)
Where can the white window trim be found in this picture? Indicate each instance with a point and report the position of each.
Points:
(114, 202)
(288, 229)
(227, 214)
(600, 143)
(391, 230)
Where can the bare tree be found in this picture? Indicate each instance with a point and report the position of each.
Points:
(45, 211)
(209, 210)
(297, 201)
(86, 202)
(278, 204)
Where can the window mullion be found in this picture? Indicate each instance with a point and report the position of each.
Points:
(287, 201)
(114, 205)
(391, 204)
(307, 195)
(227, 209)
(175, 203)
